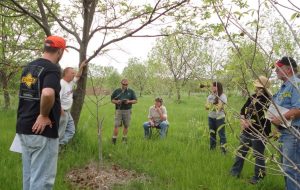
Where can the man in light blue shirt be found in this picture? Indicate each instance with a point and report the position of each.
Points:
(289, 97)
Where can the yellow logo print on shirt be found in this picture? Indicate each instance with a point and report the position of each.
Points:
(286, 95)
(28, 80)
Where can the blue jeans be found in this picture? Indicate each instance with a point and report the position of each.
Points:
(39, 156)
(162, 132)
(66, 129)
(291, 149)
(214, 125)
(246, 141)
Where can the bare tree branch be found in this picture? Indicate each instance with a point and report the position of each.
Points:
(36, 18)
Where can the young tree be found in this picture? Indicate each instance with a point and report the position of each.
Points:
(136, 73)
(159, 82)
(181, 55)
(16, 47)
(240, 73)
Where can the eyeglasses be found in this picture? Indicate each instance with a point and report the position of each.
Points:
(124, 84)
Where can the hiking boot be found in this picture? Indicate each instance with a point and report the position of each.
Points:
(114, 140)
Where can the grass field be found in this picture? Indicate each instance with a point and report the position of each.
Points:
(182, 161)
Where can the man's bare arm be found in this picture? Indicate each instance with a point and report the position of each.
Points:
(82, 65)
(46, 104)
(47, 101)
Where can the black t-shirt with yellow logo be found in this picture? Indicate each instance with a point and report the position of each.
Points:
(37, 75)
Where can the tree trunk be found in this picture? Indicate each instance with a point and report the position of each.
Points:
(141, 91)
(178, 94)
(5, 94)
(170, 93)
(88, 15)
(79, 94)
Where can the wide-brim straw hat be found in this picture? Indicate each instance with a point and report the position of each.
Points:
(262, 82)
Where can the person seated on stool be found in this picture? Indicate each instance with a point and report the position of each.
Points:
(157, 118)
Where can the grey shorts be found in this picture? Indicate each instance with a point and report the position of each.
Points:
(122, 117)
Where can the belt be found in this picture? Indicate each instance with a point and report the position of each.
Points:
(66, 110)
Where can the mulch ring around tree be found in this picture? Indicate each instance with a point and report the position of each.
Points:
(92, 177)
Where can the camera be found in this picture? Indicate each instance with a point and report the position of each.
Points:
(123, 101)
(204, 86)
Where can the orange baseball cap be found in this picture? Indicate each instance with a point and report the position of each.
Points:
(55, 42)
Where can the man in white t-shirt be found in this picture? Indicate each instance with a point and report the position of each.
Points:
(66, 124)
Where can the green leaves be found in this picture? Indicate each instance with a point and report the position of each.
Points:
(136, 73)
(295, 16)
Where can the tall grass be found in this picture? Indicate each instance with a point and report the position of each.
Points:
(181, 161)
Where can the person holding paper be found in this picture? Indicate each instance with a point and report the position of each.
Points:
(288, 97)
(255, 128)
(38, 116)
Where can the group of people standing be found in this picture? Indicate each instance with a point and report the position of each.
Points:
(256, 126)
(44, 120)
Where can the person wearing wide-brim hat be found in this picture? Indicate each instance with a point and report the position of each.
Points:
(262, 83)
(255, 127)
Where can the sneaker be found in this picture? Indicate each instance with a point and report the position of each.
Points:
(255, 180)
(114, 140)
(124, 139)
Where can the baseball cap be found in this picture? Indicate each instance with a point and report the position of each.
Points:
(289, 61)
(55, 42)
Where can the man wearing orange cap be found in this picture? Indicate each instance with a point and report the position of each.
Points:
(38, 116)
(288, 97)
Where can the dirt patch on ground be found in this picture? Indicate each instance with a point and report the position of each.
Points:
(92, 177)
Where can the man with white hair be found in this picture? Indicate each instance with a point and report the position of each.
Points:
(66, 124)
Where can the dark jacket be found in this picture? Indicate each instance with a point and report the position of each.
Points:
(254, 109)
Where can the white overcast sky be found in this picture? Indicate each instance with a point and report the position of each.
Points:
(117, 56)
(133, 47)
